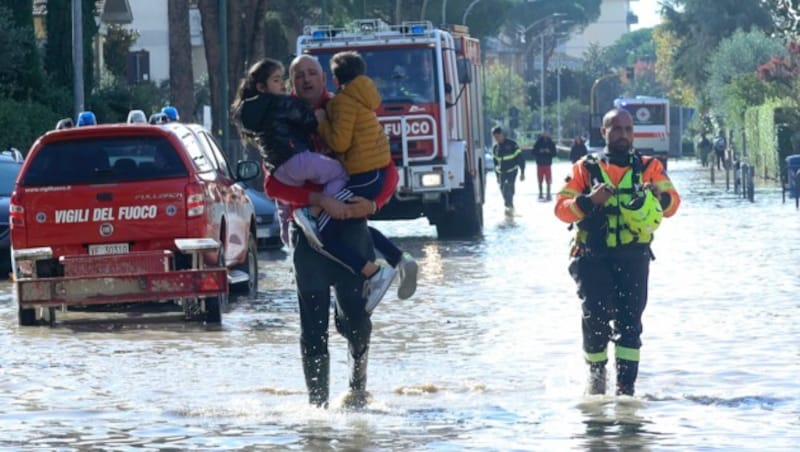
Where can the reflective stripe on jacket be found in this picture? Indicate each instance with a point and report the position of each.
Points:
(508, 157)
(573, 203)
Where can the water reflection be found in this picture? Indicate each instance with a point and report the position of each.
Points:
(485, 356)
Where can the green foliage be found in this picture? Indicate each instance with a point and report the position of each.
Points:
(701, 25)
(12, 55)
(595, 64)
(21, 77)
(770, 129)
(741, 53)
(115, 50)
(504, 89)
(58, 50)
(631, 47)
(276, 40)
(113, 99)
(574, 118)
(23, 122)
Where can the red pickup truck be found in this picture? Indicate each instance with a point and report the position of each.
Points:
(131, 213)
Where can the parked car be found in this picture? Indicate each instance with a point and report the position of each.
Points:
(488, 160)
(267, 221)
(10, 164)
(131, 213)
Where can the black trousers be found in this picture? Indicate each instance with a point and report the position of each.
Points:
(507, 181)
(314, 275)
(613, 291)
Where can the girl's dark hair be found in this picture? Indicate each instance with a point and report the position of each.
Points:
(347, 65)
(259, 72)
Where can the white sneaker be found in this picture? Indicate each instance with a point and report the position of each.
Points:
(377, 286)
(407, 269)
(308, 225)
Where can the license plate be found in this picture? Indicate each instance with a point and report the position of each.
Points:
(108, 248)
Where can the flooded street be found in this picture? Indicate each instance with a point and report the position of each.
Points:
(485, 356)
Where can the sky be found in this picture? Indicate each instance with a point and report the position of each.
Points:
(648, 12)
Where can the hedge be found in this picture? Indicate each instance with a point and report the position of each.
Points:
(21, 123)
(771, 131)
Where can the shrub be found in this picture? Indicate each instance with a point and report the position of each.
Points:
(24, 122)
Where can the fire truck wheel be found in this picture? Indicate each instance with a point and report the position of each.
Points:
(465, 217)
(27, 317)
(250, 266)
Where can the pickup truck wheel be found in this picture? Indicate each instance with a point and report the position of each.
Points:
(215, 305)
(213, 314)
(250, 266)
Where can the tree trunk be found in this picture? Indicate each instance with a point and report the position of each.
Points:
(209, 19)
(423, 9)
(181, 75)
(245, 27)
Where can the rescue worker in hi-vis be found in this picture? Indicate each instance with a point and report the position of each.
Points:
(617, 200)
(508, 160)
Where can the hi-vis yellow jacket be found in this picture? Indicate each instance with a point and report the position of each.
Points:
(573, 203)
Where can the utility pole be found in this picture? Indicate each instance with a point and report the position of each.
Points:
(541, 84)
(77, 56)
(558, 98)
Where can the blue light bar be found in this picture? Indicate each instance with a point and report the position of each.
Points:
(318, 35)
(417, 30)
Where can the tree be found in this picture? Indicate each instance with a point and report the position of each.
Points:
(26, 80)
(276, 38)
(701, 26)
(12, 54)
(741, 53)
(503, 89)
(245, 19)
(58, 50)
(115, 49)
(644, 81)
(545, 22)
(181, 76)
(632, 47)
(666, 44)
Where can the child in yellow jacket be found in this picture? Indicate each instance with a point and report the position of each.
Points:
(350, 127)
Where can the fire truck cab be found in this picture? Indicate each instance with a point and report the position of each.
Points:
(431, 86)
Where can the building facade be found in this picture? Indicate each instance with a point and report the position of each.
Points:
(615, 20)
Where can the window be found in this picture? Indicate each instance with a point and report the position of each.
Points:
(216, 153)
(401, 74)
(8, 175)
(104, 161)
(646, 114)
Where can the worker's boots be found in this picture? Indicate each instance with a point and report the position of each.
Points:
(357, 397)
(626, 376)
(317, 371)
(596, 384)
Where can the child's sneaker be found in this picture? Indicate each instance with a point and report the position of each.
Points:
(308, 225)
(377, 285)
(407, 269)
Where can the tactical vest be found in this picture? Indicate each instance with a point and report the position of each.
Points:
(609, 224)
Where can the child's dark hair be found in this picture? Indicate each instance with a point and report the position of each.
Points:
(347, 65)
(259, 72)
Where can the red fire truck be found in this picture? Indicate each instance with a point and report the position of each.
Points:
(431, 83)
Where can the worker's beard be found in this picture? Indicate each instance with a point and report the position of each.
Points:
(620, 146)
